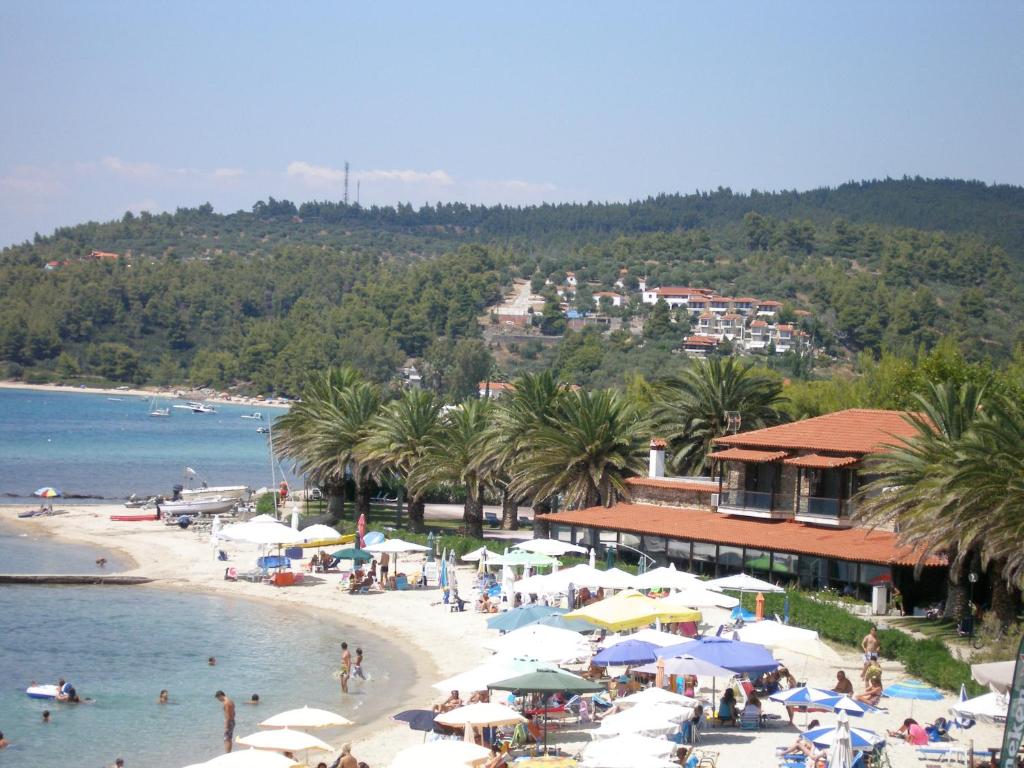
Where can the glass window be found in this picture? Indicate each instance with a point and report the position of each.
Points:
(563, 532)
(875, 574)
(784, 563)
(704, 558)
(812, 572)
(730, 560)
(629, 540)
(842, 572)
(609, 537)
(654, 545)
(757, 560)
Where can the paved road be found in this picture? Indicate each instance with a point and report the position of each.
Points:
(454, 512)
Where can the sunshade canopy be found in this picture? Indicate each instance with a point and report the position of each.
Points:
(686, 665)
(261, 533)
(395, 546)
(319, 531)
(480, 714)
(990, 707)
(668, 578)
(655, 696)
(547, 681)
(440, 754)
(784, 639)
(998, 675)
(305, 717)
(478, 678)
(520, 557)
(544, 643)
(620, 749)
(742, 582)
(353, 553)
(417, 719)
(696, 596)
(521, 617)
(47, 492)
(552, 547)
(249, 758)
(736, 655)
(630, 609)
(284, 740)
(860, 738)
(626, 653)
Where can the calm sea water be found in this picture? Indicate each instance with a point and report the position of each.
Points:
(121, 645)
(86, 444)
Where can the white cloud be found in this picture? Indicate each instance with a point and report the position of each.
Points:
(406, 177)
(129, 169)
(227, 173)
(315, 174)
(324, 175)
(31, 181)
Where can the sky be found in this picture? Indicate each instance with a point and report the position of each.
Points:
(114, 106)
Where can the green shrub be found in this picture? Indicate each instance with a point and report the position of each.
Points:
(265, 504)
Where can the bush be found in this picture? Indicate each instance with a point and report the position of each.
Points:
(265, 504)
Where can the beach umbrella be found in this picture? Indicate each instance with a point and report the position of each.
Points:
(440, 754)
(652, 721)
(659, 696)
(261, 533)
(991, 707)
(373, 537)
(417, 719)
(249, 758)
(480, 714)
(696, 596)
(741, 582)
(850, 706)
(682, 665)
(475, 556)
(741, 657)
(552, 547)
(804, 696)
(616, 578)
(442, 579)
(648, 635)
(431, 547)
(912, 689)
(318, 532)
(353, 553)
(592, 559)
(997, 675)
(619, 750)
(547, 681)
(264, 518)
(558, 621)
(47, 492)
(361, 529)
(669, 578)
(861, 739)
(786, 639)
(521, 558)
(478, 678)
(305, 717)
(394, 547)
(547, 761)
(627, 653)
(284, 740)
(630, 609)
(841, 754)
(521, 617)
(543, 643)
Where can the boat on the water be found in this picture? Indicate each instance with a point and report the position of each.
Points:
(198, 506)
(263, 430)
(156, 411)
(42, 691)
(253, 415)
(196, 407)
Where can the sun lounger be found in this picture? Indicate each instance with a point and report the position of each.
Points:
(491, 519)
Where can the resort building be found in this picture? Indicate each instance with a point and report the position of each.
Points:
(780, 508)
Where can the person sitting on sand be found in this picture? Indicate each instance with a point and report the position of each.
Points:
(843, 684)
(347, 761)
(452, 702)
(533, 728)
(802, 746)
(872, 693)
(497, 758)
(911, 732)
(727, 707)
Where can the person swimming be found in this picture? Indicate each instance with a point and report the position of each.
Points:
(164, 696)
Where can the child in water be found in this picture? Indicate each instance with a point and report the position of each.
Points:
(357, 669)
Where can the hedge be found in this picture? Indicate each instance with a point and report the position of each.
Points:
(929, 660)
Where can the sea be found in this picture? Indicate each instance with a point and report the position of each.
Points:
(120, 646)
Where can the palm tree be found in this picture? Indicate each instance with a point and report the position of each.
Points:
(594, 442)
(915, 494)
(451, 459)
(320, 434)
(298, 437)
(693, 409)
(398, 439)
(530, 404)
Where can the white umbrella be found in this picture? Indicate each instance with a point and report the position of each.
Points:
(440, 754)
(997, 675)
(668, 578)
(541, 642)
(687, 665)
(787, 639)
(249, 758)
(616, 578)
(841, 754)
(478, 678)
(990, 707)
(264, 518)
(261, 533)
(742, 582)
(320, 532)
(695, 596)
(395, 546)
(552, 547)
(621, 748)
(657, 696)
(593, 558)
(284, 740)
(474, 556)
(481, 714)
(642, 721)
(646, 635)
(305, 717)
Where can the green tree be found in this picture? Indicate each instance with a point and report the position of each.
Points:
(659, 324)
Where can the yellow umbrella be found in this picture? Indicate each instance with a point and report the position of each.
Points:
(629, 609)
(547, 761)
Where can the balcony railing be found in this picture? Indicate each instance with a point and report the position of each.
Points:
(826, 508)
(740, 499)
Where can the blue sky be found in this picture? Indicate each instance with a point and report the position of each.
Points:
(109, 106)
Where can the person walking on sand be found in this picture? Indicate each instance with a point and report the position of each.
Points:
(870, 646)
(347, 761)
(346, 667)
(229, 718)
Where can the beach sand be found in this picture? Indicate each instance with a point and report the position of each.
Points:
(166, 393)
(441, 643)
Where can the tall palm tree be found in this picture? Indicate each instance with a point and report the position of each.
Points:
(915, 494)
(693, 408)
(451, 459)
(398, 439)
(594, 442)
(300, 434)
(531, 404)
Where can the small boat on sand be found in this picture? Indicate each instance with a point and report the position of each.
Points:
(198, 506)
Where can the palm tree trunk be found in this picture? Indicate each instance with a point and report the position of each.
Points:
(957, 597)
(473, 513)
(362, 499)
(417, 506)
(509, 511)
(540, 528)
(1004, 597)
(335, 501)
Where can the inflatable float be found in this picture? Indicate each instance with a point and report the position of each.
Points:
(42, 691)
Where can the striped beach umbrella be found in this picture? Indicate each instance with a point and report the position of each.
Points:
(860, 738)
(47, 492)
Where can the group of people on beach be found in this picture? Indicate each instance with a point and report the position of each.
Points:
(348, 670)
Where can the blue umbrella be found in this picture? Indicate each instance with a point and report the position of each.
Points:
(521, 617)
(418, 719)
(628, 652)
(442, 581)
(573, 625)
(860, 738)
(912, 689)
(803, 696)
(741, 657)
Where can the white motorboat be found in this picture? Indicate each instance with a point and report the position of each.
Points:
(236, 492)
(263, 430)
(201, 408)
(197, 506)
(254, 415)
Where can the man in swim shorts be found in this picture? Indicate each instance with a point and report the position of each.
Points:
(871, 647)
(229, 719)
(346, 667)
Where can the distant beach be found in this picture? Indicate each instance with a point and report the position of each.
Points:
(182, 393)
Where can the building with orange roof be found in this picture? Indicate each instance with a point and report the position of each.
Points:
(781, 508)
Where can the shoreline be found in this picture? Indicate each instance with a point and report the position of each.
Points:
(181, 561)
(167, 393)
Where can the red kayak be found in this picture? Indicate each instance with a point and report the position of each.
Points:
(134, 518)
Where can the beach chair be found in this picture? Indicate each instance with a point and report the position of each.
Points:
(491, 519)
(401, 582)
(750, 719)
(230, 574)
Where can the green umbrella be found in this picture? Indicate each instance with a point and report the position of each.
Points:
(353, 553)
(547, 681)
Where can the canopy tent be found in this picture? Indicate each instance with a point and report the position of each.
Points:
(630, 609)
(668, 578)
(480, 714)
(627, 653)
(990, 707)
(785, 639)
(543, 643)
(441, 754)
(552, 547)
(742, 582)
(305, 717)
(647, 635)
(695, 596)
(740, 657)
(522, 617)
(997, 675)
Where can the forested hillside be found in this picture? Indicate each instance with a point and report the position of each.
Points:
(264, 296)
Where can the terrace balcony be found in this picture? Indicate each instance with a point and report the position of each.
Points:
(820, 510)
(760, 504)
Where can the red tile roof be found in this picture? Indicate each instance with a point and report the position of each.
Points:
(857, 430)
(759, 324)
(856, 544)
(816, 461)
(673, 290)
(673, 484)
(704, 341)
(771, 303)
(754, 457)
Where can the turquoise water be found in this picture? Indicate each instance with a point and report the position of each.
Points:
(86, 444)
(121, 645)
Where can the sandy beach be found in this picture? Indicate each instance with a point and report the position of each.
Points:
(441, 643)
(167, 393)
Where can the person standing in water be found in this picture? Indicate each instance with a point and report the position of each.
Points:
(346, 667)
(357, 670)
(229, 718)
